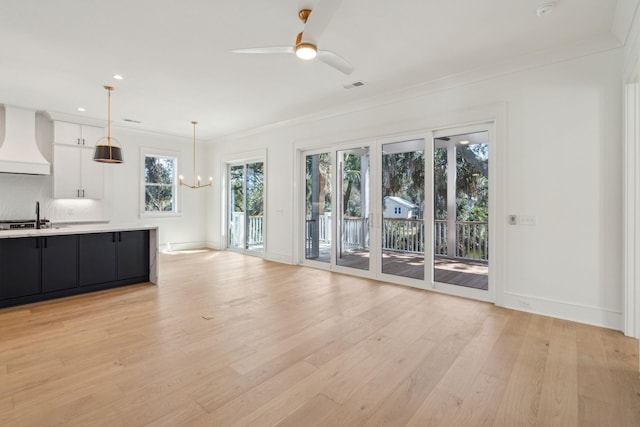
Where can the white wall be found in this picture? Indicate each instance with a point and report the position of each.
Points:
(563, 164)
(121, 204)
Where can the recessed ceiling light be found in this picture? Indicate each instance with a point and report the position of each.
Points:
(464, 142)
(81, 109)
(545, 9)
(118, 76)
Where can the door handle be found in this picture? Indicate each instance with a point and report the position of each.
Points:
(83, 193)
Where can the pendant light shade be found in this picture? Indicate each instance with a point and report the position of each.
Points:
(196, 182)
(108, 149)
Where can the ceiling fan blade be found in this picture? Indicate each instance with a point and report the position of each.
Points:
(319, 19)
(335, 61)
(272, 49)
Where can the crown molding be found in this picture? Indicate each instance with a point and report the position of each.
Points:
(583, 48)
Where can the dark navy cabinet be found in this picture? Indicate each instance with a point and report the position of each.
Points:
(59, 262)
(97, 258)
(40, 268)
(19, 267)
(133, 254)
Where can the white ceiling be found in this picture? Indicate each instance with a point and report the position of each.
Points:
(176, 60)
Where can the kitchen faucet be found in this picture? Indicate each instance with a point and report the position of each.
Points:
(38, 215)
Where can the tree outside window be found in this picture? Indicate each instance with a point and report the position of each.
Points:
(159, 184)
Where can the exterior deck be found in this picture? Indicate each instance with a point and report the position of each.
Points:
(468, 273)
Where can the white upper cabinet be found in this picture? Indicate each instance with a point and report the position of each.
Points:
(75, 174)
(76, 134)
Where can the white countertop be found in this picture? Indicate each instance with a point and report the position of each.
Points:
(74, 229)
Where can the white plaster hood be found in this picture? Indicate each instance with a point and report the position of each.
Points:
(19, 152)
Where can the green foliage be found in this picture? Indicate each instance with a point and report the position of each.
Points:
(403, 176)
(472, 183)
(254, 190)
(318, 167)
(159, 175)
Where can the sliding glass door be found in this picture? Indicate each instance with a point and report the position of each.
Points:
(412, 210)
(461, 209)
(246, 207)
(318, 207)
(352, 220)
(403, 196)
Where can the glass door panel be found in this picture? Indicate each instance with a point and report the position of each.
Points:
(254, 190)
(353, 225)
(246, 207)
(403, 177)
(236, 207)
(461, 210)
(318, 205)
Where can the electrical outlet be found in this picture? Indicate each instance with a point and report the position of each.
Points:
(524, 303)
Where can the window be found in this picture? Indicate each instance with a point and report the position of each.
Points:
(397, 210)
(160, 184)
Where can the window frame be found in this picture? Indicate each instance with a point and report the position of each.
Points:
(175, 156)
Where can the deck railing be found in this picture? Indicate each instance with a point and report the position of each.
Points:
(471, 242)
(406, 235)
(255, 230)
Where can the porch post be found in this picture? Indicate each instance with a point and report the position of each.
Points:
(315, 208)
(364, 197)
(452, 171)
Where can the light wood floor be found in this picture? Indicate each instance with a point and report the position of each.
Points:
(293, 346)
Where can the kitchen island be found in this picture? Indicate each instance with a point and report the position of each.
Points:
(43, 264)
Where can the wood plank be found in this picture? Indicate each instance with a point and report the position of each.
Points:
(559, 399)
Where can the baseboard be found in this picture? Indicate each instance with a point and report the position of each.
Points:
(181, 246)
(279, 257)
(578, 313)
(216, 245)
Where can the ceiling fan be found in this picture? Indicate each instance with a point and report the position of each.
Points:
(306, 46)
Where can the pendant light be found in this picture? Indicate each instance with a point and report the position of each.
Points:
(108, 149)
(197, 182)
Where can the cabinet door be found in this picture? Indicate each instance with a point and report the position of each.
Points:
(133, 254)
(59, 263)
(92, 175)
(66, 171)
(19, 267)
(67, 133)
(91, 135)
(97, 258)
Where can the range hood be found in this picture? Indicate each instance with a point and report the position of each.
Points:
(19, 152)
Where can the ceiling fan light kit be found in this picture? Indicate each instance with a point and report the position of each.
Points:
(304, 50)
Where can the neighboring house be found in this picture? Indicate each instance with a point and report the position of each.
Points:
(397, 207)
